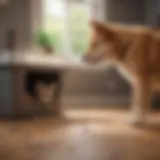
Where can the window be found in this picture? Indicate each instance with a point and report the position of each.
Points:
(68, 20)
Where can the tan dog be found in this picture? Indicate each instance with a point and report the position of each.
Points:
(135, 51)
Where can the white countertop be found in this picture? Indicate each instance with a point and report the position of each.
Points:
(42, 61)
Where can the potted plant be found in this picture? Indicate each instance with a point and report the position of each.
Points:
(45, 40)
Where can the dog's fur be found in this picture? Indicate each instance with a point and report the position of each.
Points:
(135, 51)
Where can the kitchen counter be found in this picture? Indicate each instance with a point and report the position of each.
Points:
(15, 99)
(44, 61)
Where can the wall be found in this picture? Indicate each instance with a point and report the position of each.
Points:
(126, 11)
(152, 12)
(133, 11)
(15, 15)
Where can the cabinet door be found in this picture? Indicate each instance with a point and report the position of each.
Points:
(6, 92)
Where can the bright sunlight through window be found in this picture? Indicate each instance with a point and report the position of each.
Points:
(67, 21)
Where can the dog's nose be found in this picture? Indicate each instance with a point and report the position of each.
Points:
(86, 58)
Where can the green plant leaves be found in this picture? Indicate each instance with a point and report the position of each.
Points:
(45, 39)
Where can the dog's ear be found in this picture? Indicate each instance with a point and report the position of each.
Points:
(102, 29)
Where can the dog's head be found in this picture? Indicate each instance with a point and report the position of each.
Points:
(103, 43)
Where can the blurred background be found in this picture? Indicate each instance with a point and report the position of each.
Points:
(41, 46)
(66, 22)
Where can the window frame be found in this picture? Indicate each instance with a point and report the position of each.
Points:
(66, 35)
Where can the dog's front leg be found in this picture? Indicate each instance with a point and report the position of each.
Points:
(140, 101)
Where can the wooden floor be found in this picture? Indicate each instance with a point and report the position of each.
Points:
(86, 135)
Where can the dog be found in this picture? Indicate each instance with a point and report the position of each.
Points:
(135, 52)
